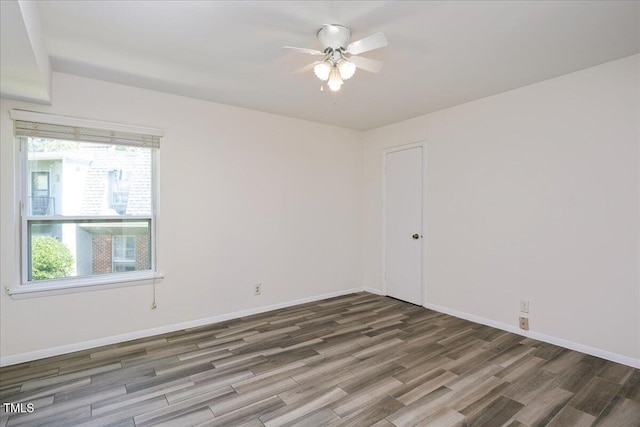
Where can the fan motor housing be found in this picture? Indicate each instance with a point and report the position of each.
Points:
(334, 36)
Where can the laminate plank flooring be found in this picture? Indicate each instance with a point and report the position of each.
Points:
(355, 360)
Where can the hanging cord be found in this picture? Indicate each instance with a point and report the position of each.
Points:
(153, 304)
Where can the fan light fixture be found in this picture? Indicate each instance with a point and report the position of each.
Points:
(334, 73)
(334, 70)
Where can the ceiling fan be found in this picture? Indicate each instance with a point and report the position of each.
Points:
(340, 55)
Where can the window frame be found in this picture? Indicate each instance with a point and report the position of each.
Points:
(23, 288)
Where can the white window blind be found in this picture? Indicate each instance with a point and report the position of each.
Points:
(40, 125)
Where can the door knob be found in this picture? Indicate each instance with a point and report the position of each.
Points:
(416, 236)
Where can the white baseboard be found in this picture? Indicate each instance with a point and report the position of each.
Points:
(55, 351)
(614, 357)
(70, 348)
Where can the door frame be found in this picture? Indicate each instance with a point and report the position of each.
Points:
(423, 223)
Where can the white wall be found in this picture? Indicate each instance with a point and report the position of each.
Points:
(246, 197)
(532, 194)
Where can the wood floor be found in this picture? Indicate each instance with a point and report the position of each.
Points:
(356, 360)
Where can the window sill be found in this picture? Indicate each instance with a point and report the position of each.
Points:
(84, 285)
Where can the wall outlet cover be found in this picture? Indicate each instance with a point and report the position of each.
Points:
(524, 323)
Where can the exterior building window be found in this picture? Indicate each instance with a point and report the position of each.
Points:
(89, 211)
(119, 184)
(123, 250)
(39, 202)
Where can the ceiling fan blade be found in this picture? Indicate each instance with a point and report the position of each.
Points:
(306, 68)
(374, 41)
(366, 64)
(303, 50)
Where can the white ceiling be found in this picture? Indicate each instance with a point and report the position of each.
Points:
(440, 53)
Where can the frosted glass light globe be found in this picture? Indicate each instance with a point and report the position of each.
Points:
(347, 69)
(322, 70)
(335, 80)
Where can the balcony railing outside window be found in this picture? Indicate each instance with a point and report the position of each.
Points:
(40, 205)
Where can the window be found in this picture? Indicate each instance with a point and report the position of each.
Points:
(119, 182)
(123, 253)
(39, 201)
(90, 209)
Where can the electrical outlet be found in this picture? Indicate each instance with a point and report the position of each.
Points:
(257, 289)
(524, 323)
(524, 306)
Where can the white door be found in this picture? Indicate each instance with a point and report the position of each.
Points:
(403, 224)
